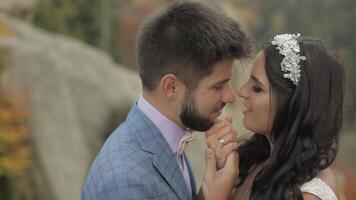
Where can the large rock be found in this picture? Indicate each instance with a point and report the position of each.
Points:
(73, 92)
(20, 8)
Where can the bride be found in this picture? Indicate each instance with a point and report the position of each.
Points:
(294, 105)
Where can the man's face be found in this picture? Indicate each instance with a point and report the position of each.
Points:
(202, 105)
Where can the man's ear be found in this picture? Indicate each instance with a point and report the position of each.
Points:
(170, 85)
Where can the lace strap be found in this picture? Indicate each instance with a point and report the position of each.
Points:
(319, 188)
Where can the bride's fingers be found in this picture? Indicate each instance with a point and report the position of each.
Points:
(229, 118)
(220, 131)
(227, 133)
(215, 127)
(218, 124)
(229, 137)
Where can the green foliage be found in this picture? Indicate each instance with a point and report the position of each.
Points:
(91, 21)
(74, 18)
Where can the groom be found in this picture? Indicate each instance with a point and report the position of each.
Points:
(185, 59)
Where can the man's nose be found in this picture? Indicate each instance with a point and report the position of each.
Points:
(229, 96)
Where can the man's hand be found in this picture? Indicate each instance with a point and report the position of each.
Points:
(222, 139)
(218, 184)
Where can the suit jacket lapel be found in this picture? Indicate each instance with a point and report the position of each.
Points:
(191, 175)
(167, 165)
(151, 140)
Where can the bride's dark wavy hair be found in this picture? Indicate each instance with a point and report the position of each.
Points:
(306, 127)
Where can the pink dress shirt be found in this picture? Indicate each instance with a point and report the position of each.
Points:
(170, 131)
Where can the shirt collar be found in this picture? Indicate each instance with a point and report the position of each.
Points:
(170, 130)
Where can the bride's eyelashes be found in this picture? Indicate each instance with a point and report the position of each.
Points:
(256, 88)
(256, 84)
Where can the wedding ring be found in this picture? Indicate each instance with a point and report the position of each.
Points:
(221, 141)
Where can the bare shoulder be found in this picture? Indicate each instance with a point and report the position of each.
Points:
(308, 196)
(327, 177)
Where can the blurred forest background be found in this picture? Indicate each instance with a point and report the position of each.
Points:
(68, 77)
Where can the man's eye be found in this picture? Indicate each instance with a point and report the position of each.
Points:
(218, 87)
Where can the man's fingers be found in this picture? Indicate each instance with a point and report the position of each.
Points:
(210, 163)
(233, 146)
(232, 163)
(225, 152)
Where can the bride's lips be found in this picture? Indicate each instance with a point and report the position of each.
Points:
(246, 109)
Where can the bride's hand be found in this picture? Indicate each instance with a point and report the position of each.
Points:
(218, 184)
(222, 139)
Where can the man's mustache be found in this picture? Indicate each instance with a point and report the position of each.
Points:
(220, 107)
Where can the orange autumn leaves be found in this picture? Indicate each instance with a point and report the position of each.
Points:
(15, 154)
(5, 30)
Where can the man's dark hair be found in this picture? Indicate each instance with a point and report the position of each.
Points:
(187, 39)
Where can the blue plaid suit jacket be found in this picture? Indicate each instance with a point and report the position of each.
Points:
(136, 162)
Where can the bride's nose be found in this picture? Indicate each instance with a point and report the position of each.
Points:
(243, 91)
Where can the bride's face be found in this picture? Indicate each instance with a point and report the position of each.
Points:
(259, 109)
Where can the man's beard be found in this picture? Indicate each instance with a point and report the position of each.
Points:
(191, 117)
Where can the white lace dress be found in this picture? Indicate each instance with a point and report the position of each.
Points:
(319, 188)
